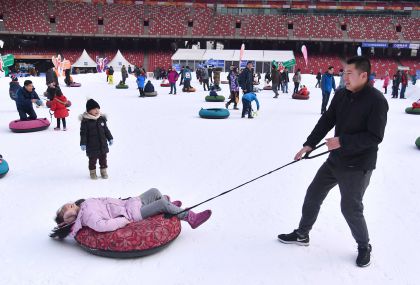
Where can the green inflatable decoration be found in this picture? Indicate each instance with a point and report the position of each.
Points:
(6, 61)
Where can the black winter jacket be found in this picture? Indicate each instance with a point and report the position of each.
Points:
(246, 80)
(51, 77)
(359, 119)
(94, 134)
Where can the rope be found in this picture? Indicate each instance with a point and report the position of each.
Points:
(307, 156)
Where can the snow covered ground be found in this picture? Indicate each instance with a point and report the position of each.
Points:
(161, 142)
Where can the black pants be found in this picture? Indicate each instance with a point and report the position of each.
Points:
(325, 99)
(386, 89)
(296, 90)
(206, 83)
(233, 98)
(64, 122)
(94, 159)
(182, 80)
(275, 89)
(352, 185)
(187, 84)
(141, 91)
(123, 80)
(247, 108)
(26, 110)
(318, 83)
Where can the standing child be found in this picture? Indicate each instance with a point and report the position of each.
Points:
(94, 138)
(140, 83)
(386, 81)
(59, 107)
(111, 75)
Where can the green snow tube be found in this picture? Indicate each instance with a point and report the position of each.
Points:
(214, 113)
(413, 111)
(418, 142)
(121, 86)
(215, 98)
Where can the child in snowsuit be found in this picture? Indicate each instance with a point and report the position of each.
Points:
(59, 107)
(95, 137)
(110, 214)
(246, 102)
(111, 75)
(213, 91)
(14, 86)
(140, 83)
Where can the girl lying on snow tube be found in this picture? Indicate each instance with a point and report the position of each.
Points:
(101, 215)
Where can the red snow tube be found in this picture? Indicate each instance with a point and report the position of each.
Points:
(135, 240)
(19, 126)
(165, 85)
(75, 84)
(300, 97)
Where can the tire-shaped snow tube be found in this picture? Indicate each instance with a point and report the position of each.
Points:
(300, 97)
(150, 94)
(412, 111)
(224, 82)
(36, 125)
(165, 85)
(418, 142)
(214, 113)
(134, 240)
(268, 87)
(68, 104)
(215, 98)
(416, 104)
(121, 86)
(4, 167)
(75, 84)
(191, 89)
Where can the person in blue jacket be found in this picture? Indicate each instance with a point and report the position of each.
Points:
(25, 96)
(247, 99)
(327, 85)
(140, 83)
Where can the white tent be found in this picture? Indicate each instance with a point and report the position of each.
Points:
(118, 61)
(84, 61)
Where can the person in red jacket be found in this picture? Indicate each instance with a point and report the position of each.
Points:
(303, 91)
(59, 106)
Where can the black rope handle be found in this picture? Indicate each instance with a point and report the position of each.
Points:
(307, 155)
(168, 216)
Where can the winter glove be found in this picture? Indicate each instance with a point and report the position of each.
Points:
(111, 142)
(83, 147)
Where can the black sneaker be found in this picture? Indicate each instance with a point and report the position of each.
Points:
(295, 238)
(363, 258)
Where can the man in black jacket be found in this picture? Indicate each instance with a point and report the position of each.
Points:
(275, 77)
(51, 81)
(359, 114)
(246, 78)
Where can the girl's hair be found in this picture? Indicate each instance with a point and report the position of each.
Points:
(63, 231)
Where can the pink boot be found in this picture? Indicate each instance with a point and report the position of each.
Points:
(195, 220)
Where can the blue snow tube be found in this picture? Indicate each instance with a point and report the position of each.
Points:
(214, 113)
(4, 167)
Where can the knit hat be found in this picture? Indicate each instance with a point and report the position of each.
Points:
(91, 104)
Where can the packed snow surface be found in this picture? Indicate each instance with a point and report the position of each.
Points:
(162, 142)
